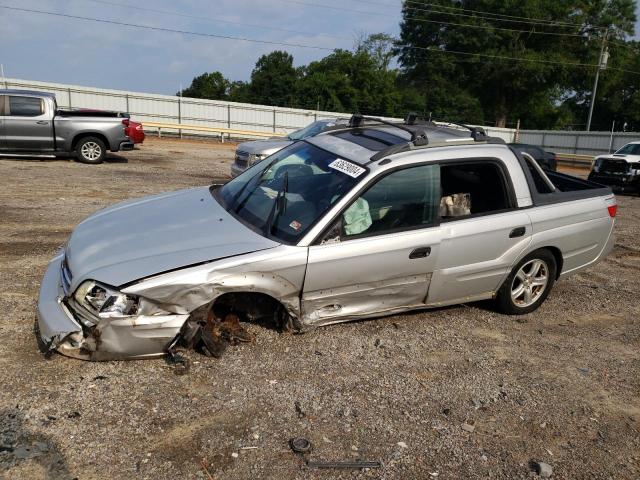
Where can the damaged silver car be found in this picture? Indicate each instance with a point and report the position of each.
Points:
(363, 220)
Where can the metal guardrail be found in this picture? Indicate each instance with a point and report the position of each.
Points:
(580, 161)
(200, 128)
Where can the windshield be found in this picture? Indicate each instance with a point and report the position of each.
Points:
(285, 197)
(630, 149)
(308, 131)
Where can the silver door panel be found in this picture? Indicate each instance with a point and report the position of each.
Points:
(368, 275)
(476, 255)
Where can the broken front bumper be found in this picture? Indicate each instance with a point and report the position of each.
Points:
(132, 337)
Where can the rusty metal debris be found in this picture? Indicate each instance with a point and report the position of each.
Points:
(218, 334)
(209, 332)
(303, 447)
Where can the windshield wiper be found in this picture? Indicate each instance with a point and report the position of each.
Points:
(280, 205)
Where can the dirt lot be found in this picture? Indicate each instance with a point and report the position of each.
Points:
(561, 385)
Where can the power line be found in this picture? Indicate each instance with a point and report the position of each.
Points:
(505, 57)
(226, 37)
(474, 13)
(440, 22)
(163, 29)
(499, 16)
(209, 19)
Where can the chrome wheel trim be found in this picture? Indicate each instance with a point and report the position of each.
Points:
(91, 151)
(529, 283)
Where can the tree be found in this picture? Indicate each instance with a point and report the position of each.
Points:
(481, 68)
(352, 82)
(273, 80)
(212, 86)
(380, 47)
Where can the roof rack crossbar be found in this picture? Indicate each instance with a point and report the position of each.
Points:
(358, 120)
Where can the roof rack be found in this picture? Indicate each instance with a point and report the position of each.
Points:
(418, 137)
(418, 129)
(477, 135)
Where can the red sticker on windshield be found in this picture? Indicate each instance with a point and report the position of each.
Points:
(295, 225)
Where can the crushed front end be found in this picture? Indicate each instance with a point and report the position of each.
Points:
(109, 326)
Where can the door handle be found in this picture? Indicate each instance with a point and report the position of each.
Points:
(517, 232)
(42, 122)
(421, 252)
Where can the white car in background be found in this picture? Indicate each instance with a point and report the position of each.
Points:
(620, 170)
(630, 152)
(250, 153)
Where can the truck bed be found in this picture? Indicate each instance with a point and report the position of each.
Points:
(567, 188)
(91, 113)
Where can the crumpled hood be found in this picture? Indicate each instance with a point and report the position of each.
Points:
(264, 146)
(144, 237)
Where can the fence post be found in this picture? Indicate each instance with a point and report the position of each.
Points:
(69, 96)
(180, 115)
(544, 137)
(274, 120)
(127, 99)
(229, 117)
(576, 143)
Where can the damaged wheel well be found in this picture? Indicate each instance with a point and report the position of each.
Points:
(254, 307)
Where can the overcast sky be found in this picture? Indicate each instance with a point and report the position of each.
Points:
(42, 47)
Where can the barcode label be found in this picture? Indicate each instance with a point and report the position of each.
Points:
(349, 168)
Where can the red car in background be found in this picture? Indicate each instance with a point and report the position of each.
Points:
(134, 131)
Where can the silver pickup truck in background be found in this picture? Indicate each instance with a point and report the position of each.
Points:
(359, 221)
(31, 125)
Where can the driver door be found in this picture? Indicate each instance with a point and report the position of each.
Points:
(378, 255)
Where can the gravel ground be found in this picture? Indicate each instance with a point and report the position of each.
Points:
(460, 392)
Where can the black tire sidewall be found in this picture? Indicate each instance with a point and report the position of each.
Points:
(84, 140)
(505, 303)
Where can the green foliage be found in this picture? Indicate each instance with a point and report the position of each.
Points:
(544, 89)
(273, 80)
(530, 89)
(212, 86)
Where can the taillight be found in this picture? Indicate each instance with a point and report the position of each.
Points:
(613, 209)
(125, 122)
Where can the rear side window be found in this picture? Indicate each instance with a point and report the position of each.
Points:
(25, 106)
(473, 189)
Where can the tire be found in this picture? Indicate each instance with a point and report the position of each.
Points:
(91, 150)
(516, 295)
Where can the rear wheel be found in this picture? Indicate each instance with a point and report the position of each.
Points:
(91, 150)
(528, 284)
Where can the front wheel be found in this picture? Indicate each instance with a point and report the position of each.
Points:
(528, 284)
(91, 150)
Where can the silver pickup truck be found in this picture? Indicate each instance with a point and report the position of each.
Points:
(31, 125)
(359, 221)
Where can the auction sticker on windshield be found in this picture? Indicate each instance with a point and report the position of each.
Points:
(349, 168)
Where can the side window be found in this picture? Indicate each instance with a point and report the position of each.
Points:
(402, 200)
(472, 189)
(25, 106)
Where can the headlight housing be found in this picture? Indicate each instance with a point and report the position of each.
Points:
(105, 302)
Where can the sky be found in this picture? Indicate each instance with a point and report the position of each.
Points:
(47, 48)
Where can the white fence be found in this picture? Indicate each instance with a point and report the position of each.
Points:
(261, 118)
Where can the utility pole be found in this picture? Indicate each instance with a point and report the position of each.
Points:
(6, 85)
(602, 65)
